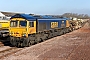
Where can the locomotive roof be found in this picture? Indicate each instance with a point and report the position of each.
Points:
(30, 17)
(24, 16)
(43, 16)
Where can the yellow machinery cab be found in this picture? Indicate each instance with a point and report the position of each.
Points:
(4, 28)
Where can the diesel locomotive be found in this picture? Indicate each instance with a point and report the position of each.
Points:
(26, 30)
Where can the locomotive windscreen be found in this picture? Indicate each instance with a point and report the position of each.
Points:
(23, 23)
(14, 23)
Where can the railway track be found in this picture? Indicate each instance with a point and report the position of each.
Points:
(6, 48)
(9, 51)
(5, 42)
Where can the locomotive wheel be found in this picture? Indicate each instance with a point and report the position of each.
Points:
(51, 35)
(67, 30)
(42, 39)
(24, 43)
(64, 31)
(21, 44)
(59, 33)
(29, 44)
(32, 42)
(12, 41)
(55, 32)
(46, 36)
(18, 44)
(32, 39)
(38, 40)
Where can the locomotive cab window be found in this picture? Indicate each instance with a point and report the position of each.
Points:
(31, 24)
(14, 23)
(23, 23)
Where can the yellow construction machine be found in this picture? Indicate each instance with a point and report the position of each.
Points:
(4, 28)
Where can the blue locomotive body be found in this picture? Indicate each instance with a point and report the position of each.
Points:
(47, 24)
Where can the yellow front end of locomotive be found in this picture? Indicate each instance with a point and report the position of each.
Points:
(20, 27)
(18, 32)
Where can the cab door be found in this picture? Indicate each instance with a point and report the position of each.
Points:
(32, 27)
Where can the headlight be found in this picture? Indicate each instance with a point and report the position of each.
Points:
(24, 34)
(11, 33)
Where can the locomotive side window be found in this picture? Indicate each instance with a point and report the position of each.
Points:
(23, 23)
(31, 24)
(14, 23)
(62, 24)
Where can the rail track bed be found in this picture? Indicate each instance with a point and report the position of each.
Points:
(5, 42)
(8, 51)
(6, 48)
(71, 46)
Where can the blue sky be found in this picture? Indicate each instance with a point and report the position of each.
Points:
(46, 6)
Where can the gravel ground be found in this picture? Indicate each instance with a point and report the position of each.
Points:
(71, 46)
